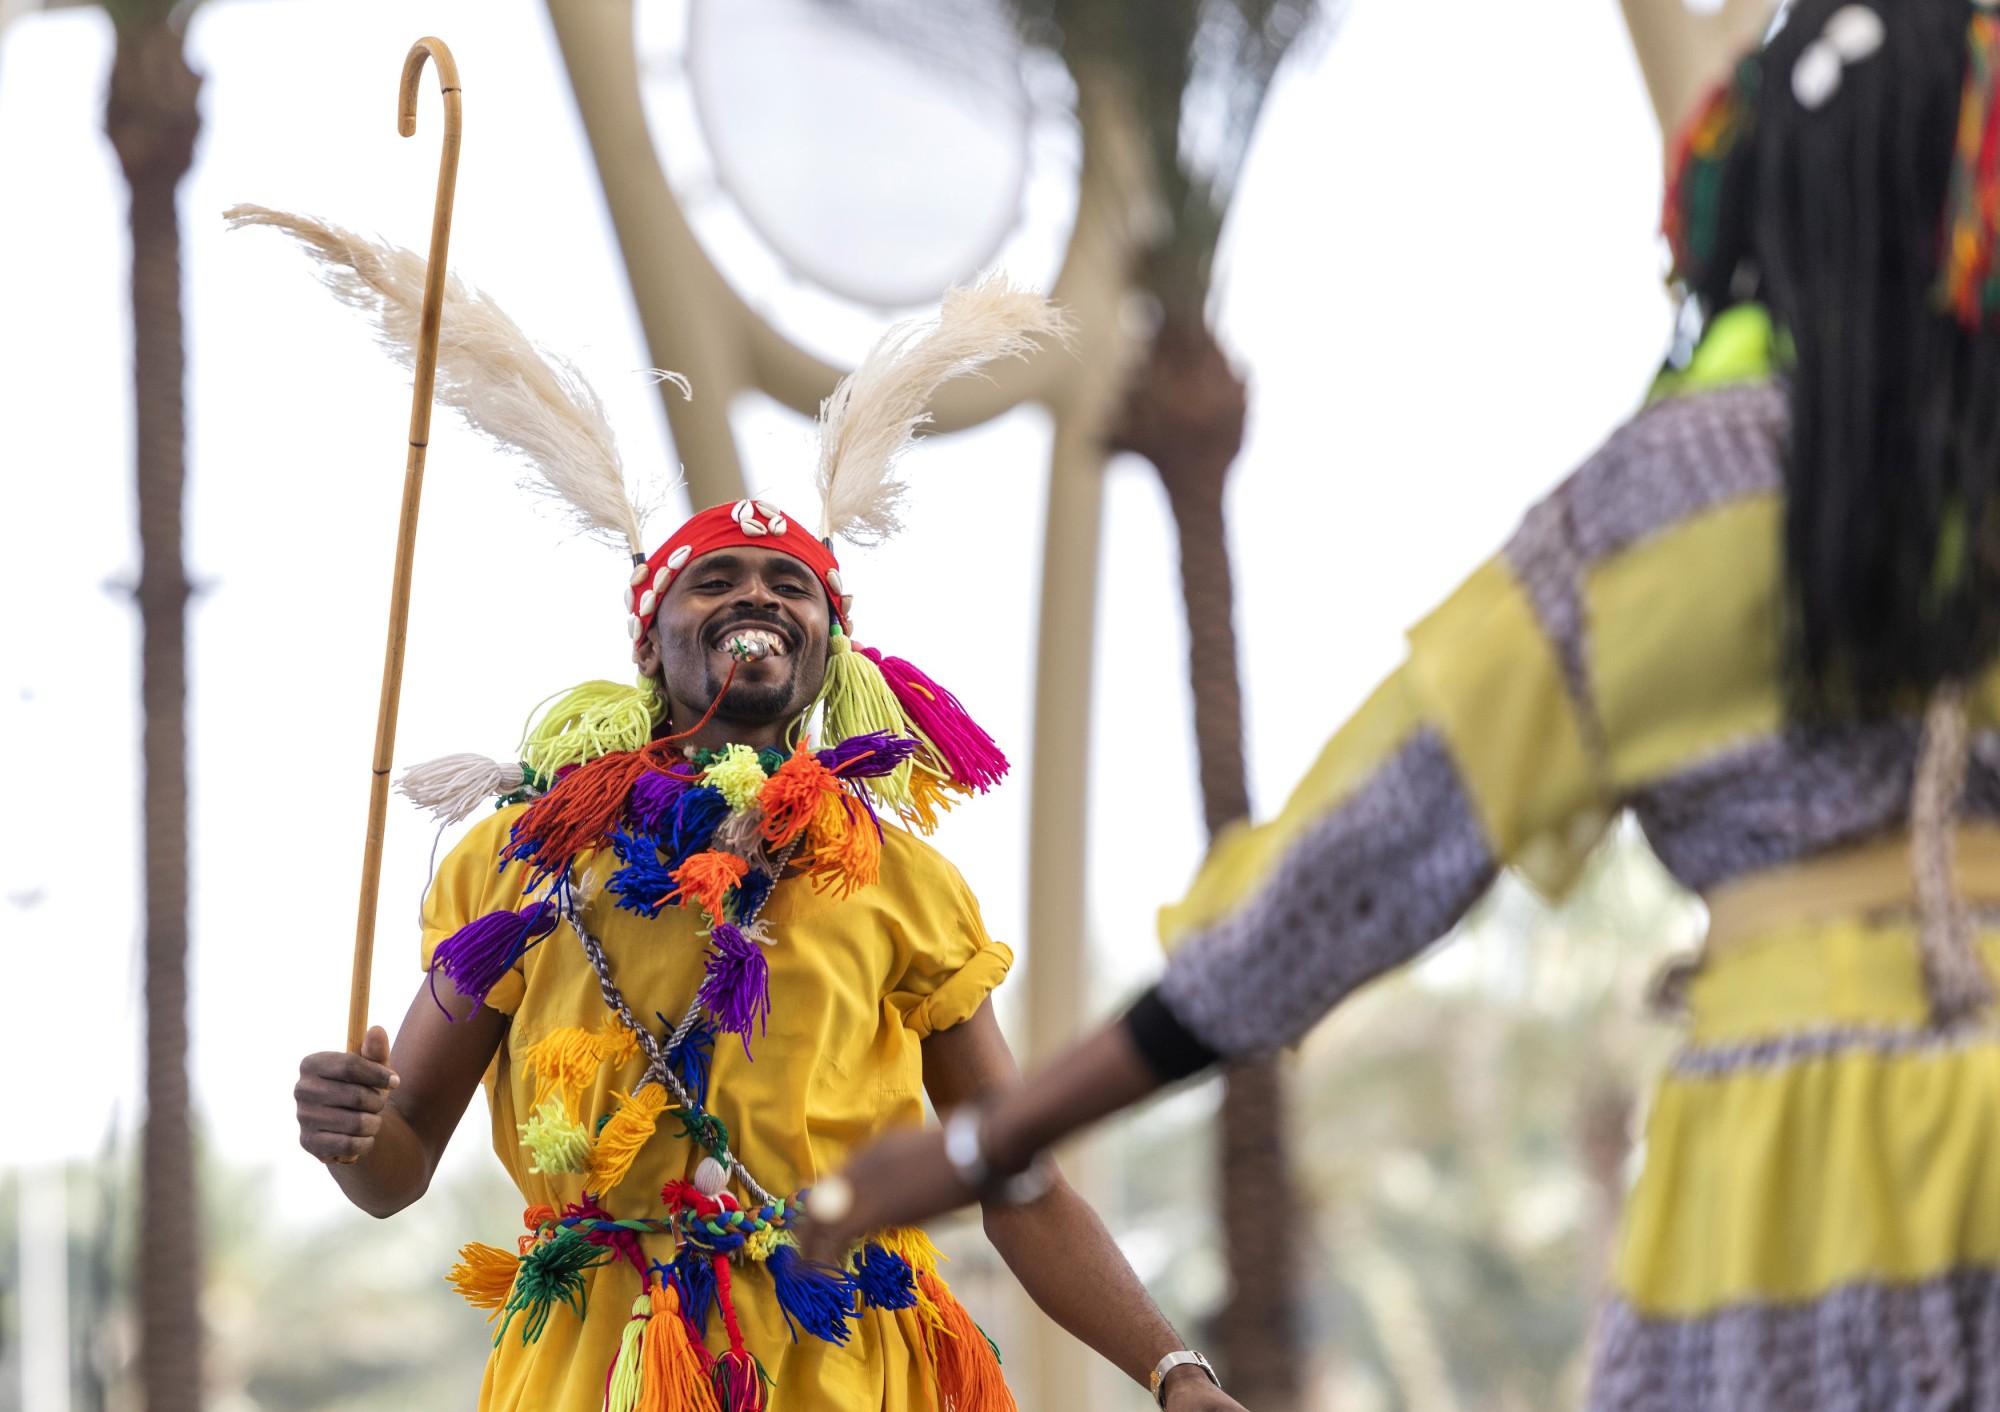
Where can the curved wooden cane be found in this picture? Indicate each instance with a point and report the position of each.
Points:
(406, 533)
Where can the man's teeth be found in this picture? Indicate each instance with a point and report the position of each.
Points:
(753, 643)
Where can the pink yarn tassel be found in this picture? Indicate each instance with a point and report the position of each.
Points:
(975, 761)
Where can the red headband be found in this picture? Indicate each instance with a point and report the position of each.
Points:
(747, 524)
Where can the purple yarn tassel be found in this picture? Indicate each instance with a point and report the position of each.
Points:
(478, 954)
(737, 989)
(862, 757)
(654, 796)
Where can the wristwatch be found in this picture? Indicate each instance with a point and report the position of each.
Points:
(1177, 1359)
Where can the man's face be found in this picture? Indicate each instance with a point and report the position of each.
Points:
(740, 593)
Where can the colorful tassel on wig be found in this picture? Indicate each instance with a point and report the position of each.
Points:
(967, 750)
(596, 719)
(674, 1367)
(855, 699)
(478, 954)
(1969, 283)
(736, 988)
(551, 1274)
(966, 1361)
(484, 1277)
(814, 1297)
(619, 1140)
(1697, 170)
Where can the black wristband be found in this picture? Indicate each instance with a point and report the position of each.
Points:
(1169, 1048)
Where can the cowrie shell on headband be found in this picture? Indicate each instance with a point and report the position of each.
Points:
(660, 579)
(833, 582)
(680, 556)
(638, 574)
(633, 627)
(648, 603)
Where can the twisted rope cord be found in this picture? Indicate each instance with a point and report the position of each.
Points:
(659, 1069)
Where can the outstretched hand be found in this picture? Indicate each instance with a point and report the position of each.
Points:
(900, 1179)
(340, 1099)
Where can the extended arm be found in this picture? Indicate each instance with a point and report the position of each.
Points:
(380, 1119)
(1056, 1245)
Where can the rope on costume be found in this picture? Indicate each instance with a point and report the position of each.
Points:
(659, 1063)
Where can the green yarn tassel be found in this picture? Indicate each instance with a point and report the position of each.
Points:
(551, 1274)
(856, 700)
(597, 718)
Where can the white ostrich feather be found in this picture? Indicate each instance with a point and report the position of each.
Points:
(877, 409)
(531, 402)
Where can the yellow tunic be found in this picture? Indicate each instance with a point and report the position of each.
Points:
(856, 985)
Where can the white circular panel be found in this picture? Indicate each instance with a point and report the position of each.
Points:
(882, 167)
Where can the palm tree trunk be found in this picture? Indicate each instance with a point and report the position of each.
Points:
(152, 118)
(1184, 413)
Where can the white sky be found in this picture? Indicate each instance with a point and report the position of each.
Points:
(1442, 280)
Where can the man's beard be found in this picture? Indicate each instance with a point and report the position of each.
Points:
(756, 702)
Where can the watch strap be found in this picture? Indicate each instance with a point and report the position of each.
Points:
(1179, 1358)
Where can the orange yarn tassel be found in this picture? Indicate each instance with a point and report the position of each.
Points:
(619, 1141)
(968, 1365)
(708, 878)
(575, 816)
(674, 1367)
(791, 797)
(844, 851)
(484, 1276)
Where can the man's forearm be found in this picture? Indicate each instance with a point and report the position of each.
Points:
(394, 1173)
(1064, 1257)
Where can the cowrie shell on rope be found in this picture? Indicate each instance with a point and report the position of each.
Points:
(680, 556)
(833, 582)
(638, 574)
(661, 579)
(648, 602)
(633, 627)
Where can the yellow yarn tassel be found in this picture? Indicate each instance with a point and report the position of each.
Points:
(931, 797)
(597, 718)
(676, 1373)
(565, 1061)
(619, 1141)
(855, 700)
(739, 774)
(557, 1142)
(621, 1389)
(484, 1277)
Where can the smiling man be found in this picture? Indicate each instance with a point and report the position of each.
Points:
(695, 973)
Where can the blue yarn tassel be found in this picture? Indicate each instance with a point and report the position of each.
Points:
(690, 1060)
(884, 1278)
(644, 879)
(694, 1282)
(750, 894)
(689, 827)
(815, 1298)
